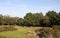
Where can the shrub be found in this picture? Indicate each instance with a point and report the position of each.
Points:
(45, 32)
(7, 28)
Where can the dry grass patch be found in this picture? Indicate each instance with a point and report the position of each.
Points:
(7, 28)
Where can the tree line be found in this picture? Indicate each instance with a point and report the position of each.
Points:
(32, 19)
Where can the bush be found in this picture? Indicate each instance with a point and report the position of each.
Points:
(45, 32)
(7, 28)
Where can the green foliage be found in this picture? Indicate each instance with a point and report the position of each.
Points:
(32, 19)
(54, 17)
(45, 21)
(1, 19)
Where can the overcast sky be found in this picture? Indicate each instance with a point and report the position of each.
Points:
(21, 7)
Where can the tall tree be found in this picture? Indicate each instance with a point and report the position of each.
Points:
(27, 19)
(45, 21)
(20, 22)
(6, 19)
(1, 19)
(53, 17)
(33, 19)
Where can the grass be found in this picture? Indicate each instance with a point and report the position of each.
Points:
(20, 33)
(7, 28)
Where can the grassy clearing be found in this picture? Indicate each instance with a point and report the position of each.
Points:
(20, 33)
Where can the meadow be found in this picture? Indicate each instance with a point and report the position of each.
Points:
(20, 33)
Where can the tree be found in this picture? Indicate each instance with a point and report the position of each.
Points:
(58, 19)
(20, 22)
(28, 19)
(1, 19)
(33, 19)
(45, 21)
(53, 17)
(6, 19)
(38, 18)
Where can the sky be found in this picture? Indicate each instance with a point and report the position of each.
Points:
(19, 8)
